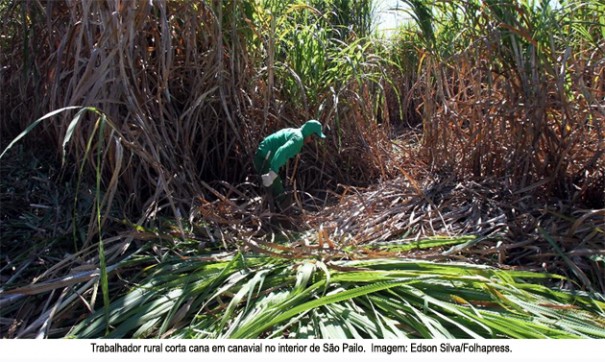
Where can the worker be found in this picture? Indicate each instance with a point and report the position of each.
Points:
(276, 149)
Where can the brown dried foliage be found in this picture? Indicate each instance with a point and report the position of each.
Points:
(539, 121)
(188, 104)
(183, 90)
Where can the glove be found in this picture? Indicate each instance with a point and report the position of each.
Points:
(268, 178)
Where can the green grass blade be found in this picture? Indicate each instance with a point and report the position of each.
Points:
(34, 125)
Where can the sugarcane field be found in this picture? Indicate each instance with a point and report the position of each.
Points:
(269, 169)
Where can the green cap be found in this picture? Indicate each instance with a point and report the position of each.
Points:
(310, 127)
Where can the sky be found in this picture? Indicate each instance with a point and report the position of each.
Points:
(387, 19)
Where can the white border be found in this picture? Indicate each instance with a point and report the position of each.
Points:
(82, 350)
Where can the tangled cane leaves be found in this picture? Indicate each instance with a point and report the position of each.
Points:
(253, 296)
(510, 159)
(312, 276)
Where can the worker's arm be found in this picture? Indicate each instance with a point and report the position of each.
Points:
(285, 152)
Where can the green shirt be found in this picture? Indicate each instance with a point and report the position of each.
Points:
(281, 146)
